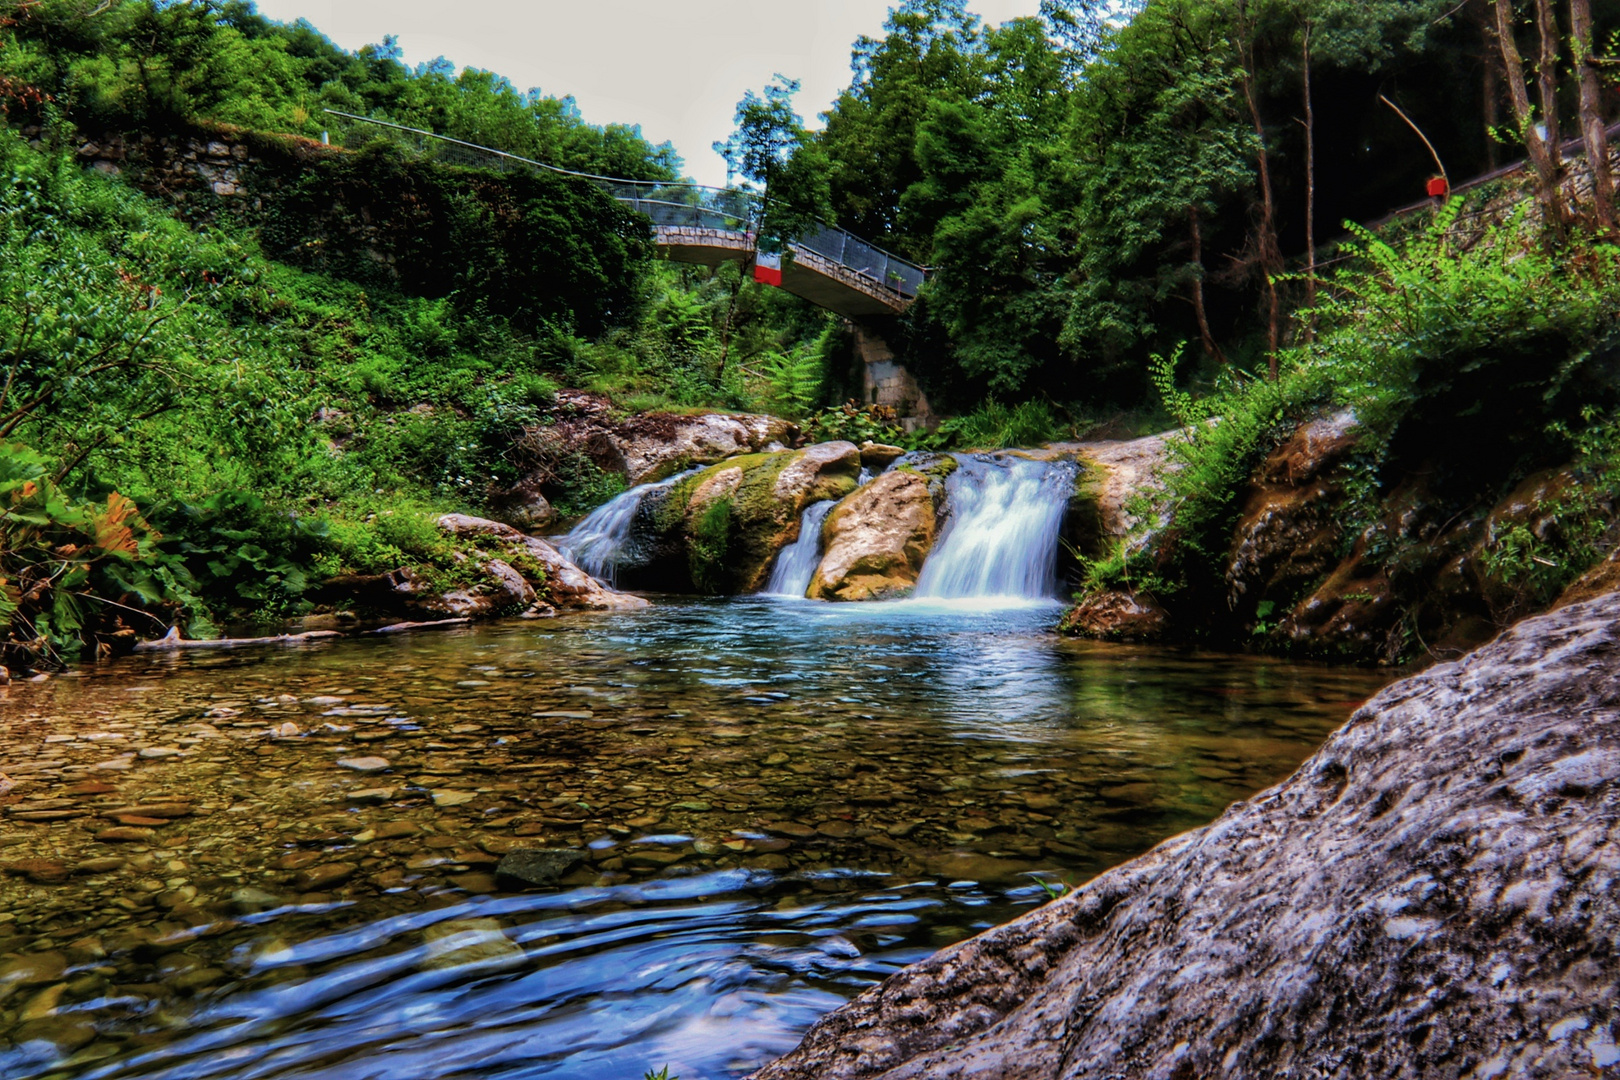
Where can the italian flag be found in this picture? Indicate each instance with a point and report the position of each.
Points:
(768, 268)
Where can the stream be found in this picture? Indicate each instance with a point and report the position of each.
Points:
(279, 862)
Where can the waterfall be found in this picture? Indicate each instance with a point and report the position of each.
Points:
(1001, 539)
(600, 543)
(798, 561)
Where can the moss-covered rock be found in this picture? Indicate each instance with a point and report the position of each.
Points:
(718, 530)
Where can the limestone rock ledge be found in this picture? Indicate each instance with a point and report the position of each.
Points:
(1436, 893)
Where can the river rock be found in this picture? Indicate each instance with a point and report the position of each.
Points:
(459, 942)
(523, 506)
(657, 445)
(1117, 615)
(876, 540)
(565, 585)
(541, 868)
(1434, 893)
(500, 591)
(879, 456)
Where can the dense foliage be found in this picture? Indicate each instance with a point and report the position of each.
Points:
(1471, 365)
(1099, 183)
(203, 415)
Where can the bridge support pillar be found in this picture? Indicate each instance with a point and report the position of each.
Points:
(885, 380)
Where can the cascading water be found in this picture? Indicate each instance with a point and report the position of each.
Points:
(1002, 537)
(797, 562)
(599, 543)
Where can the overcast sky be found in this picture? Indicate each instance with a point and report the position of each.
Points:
(676, 67)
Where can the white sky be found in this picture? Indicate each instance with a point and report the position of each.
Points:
(676, 67)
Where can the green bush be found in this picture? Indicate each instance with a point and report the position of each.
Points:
(1485, 360)
(993, 426)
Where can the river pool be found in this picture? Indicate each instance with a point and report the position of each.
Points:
(279, 862)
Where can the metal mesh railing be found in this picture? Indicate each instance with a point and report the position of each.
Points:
(685, 206)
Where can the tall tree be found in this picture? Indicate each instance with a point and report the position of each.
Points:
(1594, 132)
(1541, 140)
(771, 150)
(931, 50)
(1267, 250)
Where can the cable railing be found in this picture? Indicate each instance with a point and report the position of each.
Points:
(682, 205)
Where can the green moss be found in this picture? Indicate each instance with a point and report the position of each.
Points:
(935, 468)
(708, 546)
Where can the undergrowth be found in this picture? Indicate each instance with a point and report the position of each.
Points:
(1477, 363)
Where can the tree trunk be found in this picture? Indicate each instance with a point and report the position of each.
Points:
(1541, 158)
(1547, 81)
(1204, 333)
(1310, 190)
(725, 330)
(1268, 250)
(1492, 91)
(1593, 131)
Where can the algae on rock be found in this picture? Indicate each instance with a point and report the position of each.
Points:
(719, 529)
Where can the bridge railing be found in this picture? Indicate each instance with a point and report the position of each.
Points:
(685, 205)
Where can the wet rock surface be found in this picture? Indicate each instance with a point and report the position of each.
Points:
(1117, 615)
(1432, 894)
(1289, 534)
(1114, 473)
(859, 796)
(542, 868)
(877, 539)
(719, 529)
(565, 585)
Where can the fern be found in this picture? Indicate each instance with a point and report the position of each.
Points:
(795, 379)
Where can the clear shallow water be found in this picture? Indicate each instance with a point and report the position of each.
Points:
(782, 802)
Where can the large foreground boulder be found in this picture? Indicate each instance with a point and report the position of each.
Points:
(1436, 893)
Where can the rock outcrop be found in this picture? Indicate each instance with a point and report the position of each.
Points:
(1113, 473)
(1436, 893)
(564, 584)
(877, 539)
(502, 572)
(657, 445)
(643, 449)
(1439, 563)
(718, 530)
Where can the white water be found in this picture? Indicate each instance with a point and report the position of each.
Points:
(796, 563)
(1001, 540)
(599, 543)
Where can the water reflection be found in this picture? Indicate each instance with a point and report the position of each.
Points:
(281, 863)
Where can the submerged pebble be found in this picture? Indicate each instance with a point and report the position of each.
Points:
(311, 813)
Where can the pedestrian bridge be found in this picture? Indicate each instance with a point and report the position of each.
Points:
(827, 266)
